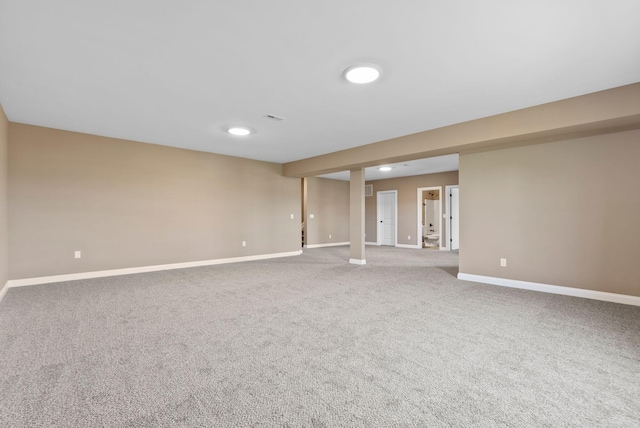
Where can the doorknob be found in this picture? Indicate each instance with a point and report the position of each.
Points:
(380, 221)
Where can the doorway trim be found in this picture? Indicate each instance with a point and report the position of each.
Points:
(419, 211)
(448, 219)
(378, 216)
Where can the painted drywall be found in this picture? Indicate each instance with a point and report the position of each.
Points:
(356, 217)
(4, 228)
(129, 204)
(562, 213)
(328, 202)
(407, 188)
(303, 189)
(592, 114)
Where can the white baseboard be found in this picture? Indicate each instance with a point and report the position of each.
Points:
(3, 290)
(554, 289)
(357, 261)
(414, 246)
(143, 269)
(331, 244)
(371, 243)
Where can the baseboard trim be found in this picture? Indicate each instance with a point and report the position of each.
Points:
(143, 269)
(554, 289)
(3, 290)
(371, 243)
(357, 261)
(331, 244)
(417, 247)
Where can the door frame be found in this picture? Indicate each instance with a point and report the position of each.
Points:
(420, 210)
(448, 219)
(378, 216)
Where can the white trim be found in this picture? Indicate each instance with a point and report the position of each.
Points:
(420, 211)
(371, 243)
(412, 246)
(3, 290)
(448, 219)
(357, 261)
(143, 269)
(378, 234)
(332, 244)
(554, 289)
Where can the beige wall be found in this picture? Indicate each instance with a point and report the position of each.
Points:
(407, 188)
(328, 201)
(4, 229)
(563, 213)
(128, 204)
(597, 113)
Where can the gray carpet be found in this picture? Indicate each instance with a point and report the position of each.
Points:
(312, 341)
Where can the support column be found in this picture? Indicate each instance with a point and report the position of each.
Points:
(356, 216)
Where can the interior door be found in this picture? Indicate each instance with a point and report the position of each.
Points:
(454, 197)
(387, 218)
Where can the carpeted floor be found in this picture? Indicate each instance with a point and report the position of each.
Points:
(313, 341)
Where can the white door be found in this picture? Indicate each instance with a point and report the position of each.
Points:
(387, 218)
(454, 199)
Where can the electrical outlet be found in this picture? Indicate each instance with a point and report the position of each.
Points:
(244, 243)
(329, 236)
(291, 216)
(77, 254)
(503, 262)
(311, 216)
(409, 238)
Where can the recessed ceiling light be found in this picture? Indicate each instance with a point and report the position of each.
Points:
(363, 73)
(239, 131)
(385, 168)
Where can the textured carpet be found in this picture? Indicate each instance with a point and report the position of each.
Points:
(313, 341)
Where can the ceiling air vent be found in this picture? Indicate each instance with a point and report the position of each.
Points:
(274, 117)
(368, 189)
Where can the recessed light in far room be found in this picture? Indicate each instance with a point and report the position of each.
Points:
(385, 168)
(362, 73)
(239, 131)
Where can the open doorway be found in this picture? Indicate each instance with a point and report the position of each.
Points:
(430, 217)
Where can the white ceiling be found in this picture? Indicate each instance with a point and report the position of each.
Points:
(177, 73)
(404, 169)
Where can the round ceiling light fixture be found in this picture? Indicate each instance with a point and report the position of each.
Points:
(362, 73)
(239, 131)
(385, 168)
